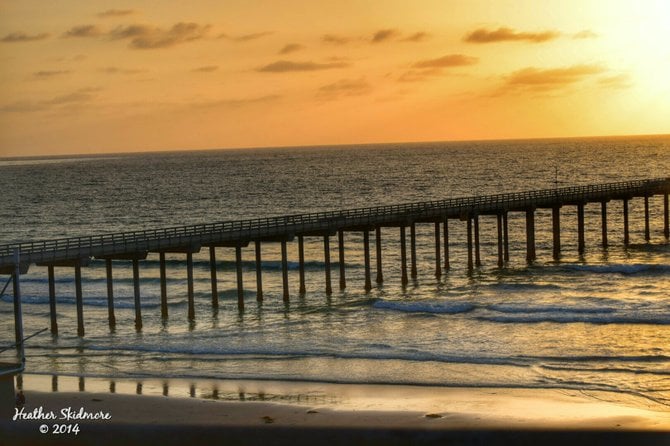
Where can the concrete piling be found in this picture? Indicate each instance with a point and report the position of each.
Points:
(111, 317)
(52, 301)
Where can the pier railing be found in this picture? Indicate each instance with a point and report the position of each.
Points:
(266, 228)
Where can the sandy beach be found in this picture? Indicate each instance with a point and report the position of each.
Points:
(299, 413)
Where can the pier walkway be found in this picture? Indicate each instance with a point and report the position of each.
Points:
(134, 246)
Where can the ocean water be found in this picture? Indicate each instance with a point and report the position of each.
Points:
(600, 321)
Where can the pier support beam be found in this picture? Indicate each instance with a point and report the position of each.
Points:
(506, 236)
(340, 246)
(301, 262)
(501, 261)
(647, 235)
(189, 286)
(136, 292)
(603, 219)
(666, 217)
(403, 257)
(213, 278)
(18, 312)
(438, 261)
(52, 301)
(240, 285)
(284, 268)
(446, 244)
(478, 259)
(164, 306)
(79, 300)
(556, 231)
(530, 235)
(580, 229)
(326, 258)
(469, 228)
(626, 237)
(412, 246)
(110, 294)
(366, 255)
(259, 272)
(378, 249)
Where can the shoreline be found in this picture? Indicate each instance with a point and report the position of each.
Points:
(294, 412)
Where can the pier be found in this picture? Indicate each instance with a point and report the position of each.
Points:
(136, 246)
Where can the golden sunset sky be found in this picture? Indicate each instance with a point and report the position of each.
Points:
(82, 76)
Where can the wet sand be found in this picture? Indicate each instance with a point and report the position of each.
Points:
(248, 412)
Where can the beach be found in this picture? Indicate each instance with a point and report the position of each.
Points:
(275, 412)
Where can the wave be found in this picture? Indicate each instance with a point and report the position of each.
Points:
(425, 307)
(624, 269)
(570, 317)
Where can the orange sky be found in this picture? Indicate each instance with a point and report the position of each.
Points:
(82, 76)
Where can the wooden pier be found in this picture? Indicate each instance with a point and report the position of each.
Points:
(135, 246)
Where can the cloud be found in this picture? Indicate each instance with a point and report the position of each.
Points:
(21, 107)
(115, 13)
(344, 87)
(17, 37)
(83, 31)
(284, 66)
(450, 60)
(384, 35)
(45, 74)
(237, 102)
(206, 69)
(334, 39)
(504, 34)
(585, 34)
(78, 97)
(430, 68)
(617, 81)
(117, 70)
(536, 79)
(148, 37)
(246, 37)
(417, 37)
(291, 48)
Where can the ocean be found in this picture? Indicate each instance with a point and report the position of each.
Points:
(600, 321)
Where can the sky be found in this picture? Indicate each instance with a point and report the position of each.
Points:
(89, 76)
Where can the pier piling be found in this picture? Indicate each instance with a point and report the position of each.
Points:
(626, 236)
(213, 277)
(284, 269)
(530, 235)
(478, 259)
(438, 261)
(366, 255)
(259, 272)
(163, 280)
(603, 219)
(506, 236)
(378, 249)
(446, 244)
(52, 301)
(666, 216)
(469, 229)
(647, 235)
(403, 257)
(580, 229)
(189, 286)
(500, 240)
(301, 261)
(110, 294)
(326, 255)
(238, 270)
(412, 246)
(136, 290)
(79, 299)
(340, 246)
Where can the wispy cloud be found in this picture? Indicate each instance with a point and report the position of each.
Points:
(117, 70)
(81, 96)
(585, 34)
(83, 31)
(72, 98)
(116, 13)
(384, 35)
(285, 66)
(291, 48)
(617, 81)
(46, 74)
(505, 34)
(17, 37)
(417, 37)
(334, 39)
(206, 69)
(450, 60)
(236, 102)
(344, 87)
(149, 37)
(538, 79)
(246, 37)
